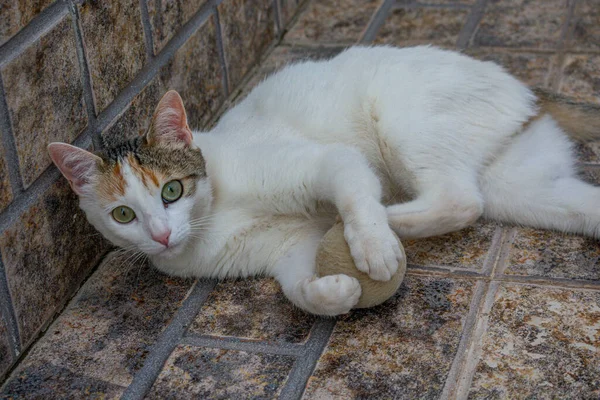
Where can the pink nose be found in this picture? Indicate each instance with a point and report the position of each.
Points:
(162, 238)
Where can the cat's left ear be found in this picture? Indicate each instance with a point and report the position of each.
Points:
(169, 124)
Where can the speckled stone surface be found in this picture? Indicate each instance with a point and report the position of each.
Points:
(114, 41)
(465, 249)
(413, 26)
(6, 194)
(47, 75)
(531, 68)
(554, 255)
(46, 254)
(586, 26)
(522, 23)
(105, 334)
(333, 21)
(18, 13)
(401, 349)
(540, 343)
(137, 117)
(248, 29)
(436, 2)
(193, 372)
(581, 77)
(252, 309)
(196, 73)
(287, 10)
(6, 355)
(167, 16)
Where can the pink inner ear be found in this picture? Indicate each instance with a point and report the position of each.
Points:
(77, 165)
(170, 120)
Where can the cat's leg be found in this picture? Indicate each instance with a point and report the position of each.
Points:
(331, 295)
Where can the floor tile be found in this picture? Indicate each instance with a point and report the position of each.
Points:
(402, 349)
(333, 21)
(586, 26)
(540, 343)
(467, 248)
(413, 26)
(201, 373)
(581, 77)
(253, 309)
(522, 23)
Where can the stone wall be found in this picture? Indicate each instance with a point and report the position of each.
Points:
(82, 71)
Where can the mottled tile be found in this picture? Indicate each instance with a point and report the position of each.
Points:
(554, 255)
(47, 253)
(114, 42)
(401, 349)
(467, 248)
(581, 77)
(522, 23)
(531, 68)
(45, 75)
(540, 343)
(252, 309)
(412, 26)
(436, 2)
(6, 354)
(195, 72)
(287, 10)
(6, 195)
(47, 381)
(16, 14)
(586, 29)
(201, 373)
(248, 29)
(333, 21)
(106, 332)
(168, 16)
(136, 119)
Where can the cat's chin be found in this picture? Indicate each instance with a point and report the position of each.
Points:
(169, 252)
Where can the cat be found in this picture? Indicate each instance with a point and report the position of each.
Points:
(421, 141)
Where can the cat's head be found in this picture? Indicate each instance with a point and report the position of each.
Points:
(144, 194)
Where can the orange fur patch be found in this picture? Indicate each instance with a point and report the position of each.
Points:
(111, 183)
(146, 175)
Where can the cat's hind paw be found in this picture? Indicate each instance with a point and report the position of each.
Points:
(331, 295)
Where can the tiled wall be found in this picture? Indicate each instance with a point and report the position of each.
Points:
(87, 71)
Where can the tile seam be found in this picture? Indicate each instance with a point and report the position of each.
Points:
(147, 27)
(278, 20)
(413, 6)
(376, 22)
(469, 29)
(240, 344)
(7, 138)
(221, 50)
(562, 50)
(7, 313)
(170, 337)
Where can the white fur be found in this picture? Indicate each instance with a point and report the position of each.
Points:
(342, 135)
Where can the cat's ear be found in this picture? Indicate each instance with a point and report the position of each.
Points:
(169, 123)
(77, 165)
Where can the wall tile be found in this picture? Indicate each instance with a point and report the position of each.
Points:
(252, 309)
(541, 343)
(248, 29)
(6, 357)
(413, 26)
(402, 349)
(196, 73)
(221, 374)
(522, 23)
(333, 21)
(287, 10)
(114, 42)
(586, 30)
(16, 14)
(44, 97)
(47, 253)
(105, 334)
(167, 16)
(6, 194)
(530, 68)
(581, 77)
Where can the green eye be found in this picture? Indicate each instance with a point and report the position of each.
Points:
(123, 214)
(172, 191)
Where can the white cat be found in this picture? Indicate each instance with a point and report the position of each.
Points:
(422, 139)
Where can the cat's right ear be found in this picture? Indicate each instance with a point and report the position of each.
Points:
(77, 165)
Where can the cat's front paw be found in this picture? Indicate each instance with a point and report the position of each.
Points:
(374, 248)
(331, 295)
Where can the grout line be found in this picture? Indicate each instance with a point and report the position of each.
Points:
(86, 78)
(37, 27)
(168, 340)
(148, 40)
(465, 340)
(470, 27)
(565, 37)
(7, 312)
(306, 363)
(504, 252)
(493, 256)
(376, 22)
(251, 346)
(221, 51)
(9, 146)
(560, 283)
(445, 271)
(456, 6)
(278, 20)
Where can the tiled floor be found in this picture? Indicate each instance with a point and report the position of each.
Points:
(489, 312)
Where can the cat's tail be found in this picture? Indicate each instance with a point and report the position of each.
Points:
(579, 120)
